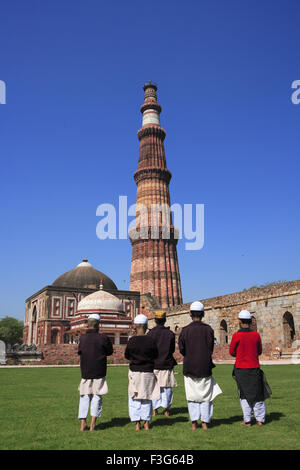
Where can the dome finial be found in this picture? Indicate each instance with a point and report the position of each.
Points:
(84, 264)
(101, 285)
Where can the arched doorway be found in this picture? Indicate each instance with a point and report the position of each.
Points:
(253, 323)
(54, 336)
(223, 332)
(288, 330)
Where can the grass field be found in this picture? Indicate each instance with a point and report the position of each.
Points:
(38, 410)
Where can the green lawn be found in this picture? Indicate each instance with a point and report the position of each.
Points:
(38, 410)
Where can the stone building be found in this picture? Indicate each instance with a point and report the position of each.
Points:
(275, 313)
(51, 314)
(154, 265)
(116, 320)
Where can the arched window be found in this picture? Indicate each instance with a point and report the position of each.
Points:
(223, 332)
(34, 314)
(288, 330)
(66, 338)
(123, 339)
(33, 326)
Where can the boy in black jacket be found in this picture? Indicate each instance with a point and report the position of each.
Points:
(93, 349)
(164, 363)
(143, 387)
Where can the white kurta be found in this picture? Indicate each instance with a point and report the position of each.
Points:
(93, 387)
(165, 378)
(201, 389)
(143, 386)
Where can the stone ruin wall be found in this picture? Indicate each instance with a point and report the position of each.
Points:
(267, 304)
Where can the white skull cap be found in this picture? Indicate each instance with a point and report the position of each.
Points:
(197, 307)
(244, 315)
(94, 315)
(141, 320)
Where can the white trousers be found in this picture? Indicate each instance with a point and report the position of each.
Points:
(200, 410)
(84, 404)
(166, 398)
(139, 410)
(258, 409)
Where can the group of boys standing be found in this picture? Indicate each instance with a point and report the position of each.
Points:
(151, 369)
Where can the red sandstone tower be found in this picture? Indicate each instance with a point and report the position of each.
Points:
(154, 265)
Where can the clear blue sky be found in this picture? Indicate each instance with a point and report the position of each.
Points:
(74, 72)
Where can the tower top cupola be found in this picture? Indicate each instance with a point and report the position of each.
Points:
(150, 85)
(150, 108)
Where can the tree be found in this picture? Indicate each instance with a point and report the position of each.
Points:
(11, 330)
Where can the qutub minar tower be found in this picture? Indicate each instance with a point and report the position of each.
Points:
(154, 265)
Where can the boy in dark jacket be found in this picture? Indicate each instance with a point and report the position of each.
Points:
(164, 363)
(141, 351)
(196, 344)
(93, 349)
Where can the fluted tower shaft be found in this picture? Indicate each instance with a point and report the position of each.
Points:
(154, 266)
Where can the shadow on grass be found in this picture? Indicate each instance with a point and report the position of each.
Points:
(163, 421)
(273, 417)
(160, 421)
(113, 423)
(177, 411)
(232, 419)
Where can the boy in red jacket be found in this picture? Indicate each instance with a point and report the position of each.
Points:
(253, 389)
